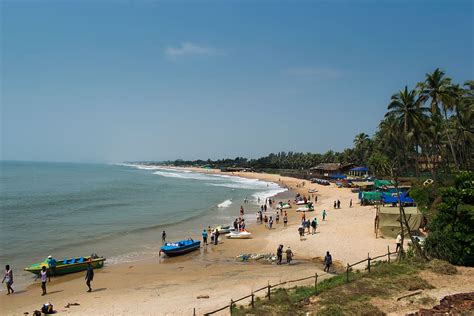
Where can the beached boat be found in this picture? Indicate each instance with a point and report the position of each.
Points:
(180, 247)
(239, 235)
(283, 206)
(312, 190)
(305, 209)
(67, 266)
(223, 229)
(301, 202)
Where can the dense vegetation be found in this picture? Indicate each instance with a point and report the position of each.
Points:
(429, 127)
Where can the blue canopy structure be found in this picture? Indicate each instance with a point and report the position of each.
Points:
(338, 176)
(363, 169)
(404, 198)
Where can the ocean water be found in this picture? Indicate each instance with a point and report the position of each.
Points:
(118, 211)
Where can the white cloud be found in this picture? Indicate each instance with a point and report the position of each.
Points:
(188, 49)
(319, 72)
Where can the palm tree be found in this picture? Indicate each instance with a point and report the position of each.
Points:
(438, 88)
(406, 107)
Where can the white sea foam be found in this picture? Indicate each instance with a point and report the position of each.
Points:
(266, 189)
(224, 204)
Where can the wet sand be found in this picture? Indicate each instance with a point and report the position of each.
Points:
(162, 286)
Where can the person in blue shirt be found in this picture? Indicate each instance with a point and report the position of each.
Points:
(52, 266)
(204, 237)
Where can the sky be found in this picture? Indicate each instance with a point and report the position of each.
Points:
(110, 81)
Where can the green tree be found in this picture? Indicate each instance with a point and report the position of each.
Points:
(451, 234)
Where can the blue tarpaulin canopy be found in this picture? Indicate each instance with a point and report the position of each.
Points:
(404, 198)
(338, 176)
(362, 169)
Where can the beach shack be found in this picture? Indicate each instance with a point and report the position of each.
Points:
(332, 170)
(361, 172)
(389, 220)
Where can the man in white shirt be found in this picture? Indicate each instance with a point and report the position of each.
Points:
(399, 242)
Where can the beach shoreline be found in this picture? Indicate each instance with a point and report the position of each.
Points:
(149, 285)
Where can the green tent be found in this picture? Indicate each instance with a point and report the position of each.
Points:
(382, 183)
(371, 196)
(389, 220)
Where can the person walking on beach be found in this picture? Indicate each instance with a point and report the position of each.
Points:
(265, 207)
(241, 210)
(163, 237)
(277, 217)
(270, 223)
(289, 255)
(44, 277)
(216, 236)
(327, 261)
(204, 237)
(338, 204)
(279, 254)
(8, 279)
(314, 224)
(265, 220)
(324, 215)
(89, 276)
(350, 203)
(285, 220)
(335, 204)
(308, 225)
(301, 232)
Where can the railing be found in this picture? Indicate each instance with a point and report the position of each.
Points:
(269, 287)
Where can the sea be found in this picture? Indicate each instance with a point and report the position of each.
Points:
(115, 210)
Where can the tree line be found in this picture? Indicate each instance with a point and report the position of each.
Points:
(427, 128)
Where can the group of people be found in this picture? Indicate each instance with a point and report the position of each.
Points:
(289, 254)
(45, 275)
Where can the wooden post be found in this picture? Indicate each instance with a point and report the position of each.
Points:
(253, 303)
(388, 253)
(368, 260)
(315, 282)
(347, 273)
(269, 288)
(231, 304)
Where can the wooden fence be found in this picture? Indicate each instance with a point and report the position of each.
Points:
(269, 287)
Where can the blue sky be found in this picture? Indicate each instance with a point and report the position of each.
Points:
(124, 80)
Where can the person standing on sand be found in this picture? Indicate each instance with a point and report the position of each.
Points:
(44, 277)
(399, 242)
(350, 204)
(338, 204)
(277, 218)
(279, 254)
(52, 266)
(327, 261)
(265, 207)
(270, 223)
(289, 255)
(285, 220)
(301, 232)
(8, 279)
(324, 215)
(204, 237)
(313, 226)
(89, 276)
(335, 204)
(163, 237)
(216, 236)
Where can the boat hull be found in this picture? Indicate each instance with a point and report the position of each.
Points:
(62, 269)
(173, 250)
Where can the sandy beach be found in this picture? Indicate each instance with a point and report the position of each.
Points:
(165, 286)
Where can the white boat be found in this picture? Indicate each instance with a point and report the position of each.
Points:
(312, 190)
(239, 235)
(223, 229)
(305, 209)
(283, 206)
(301, 202)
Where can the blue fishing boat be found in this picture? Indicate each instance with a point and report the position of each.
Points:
(180, 247)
